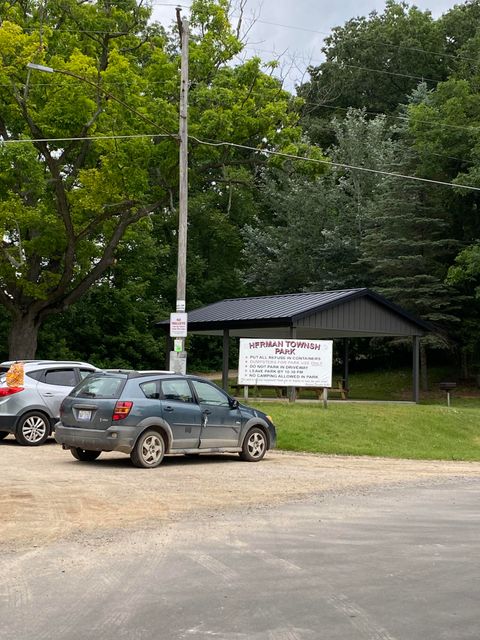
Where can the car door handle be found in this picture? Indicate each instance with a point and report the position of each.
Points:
(207, 412)
(49, 395)
(168, 408)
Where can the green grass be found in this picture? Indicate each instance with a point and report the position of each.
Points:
(432, 432)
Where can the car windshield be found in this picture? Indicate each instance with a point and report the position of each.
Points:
(99, 387)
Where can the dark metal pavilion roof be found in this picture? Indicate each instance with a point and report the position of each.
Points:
(347, 312)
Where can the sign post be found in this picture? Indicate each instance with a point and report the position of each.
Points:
(179, 331)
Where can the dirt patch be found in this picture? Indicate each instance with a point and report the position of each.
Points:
(46, 495)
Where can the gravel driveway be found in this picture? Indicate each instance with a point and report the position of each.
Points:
(46, 496)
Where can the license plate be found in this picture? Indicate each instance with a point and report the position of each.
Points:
(83, 414)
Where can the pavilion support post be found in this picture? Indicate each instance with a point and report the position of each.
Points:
(345, 363)
(226, 354)
(292, 391)
(416, 369)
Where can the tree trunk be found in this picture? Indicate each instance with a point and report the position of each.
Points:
(423, 367)
(22, 339)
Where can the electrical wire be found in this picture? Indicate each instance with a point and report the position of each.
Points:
(82, 138)
(354, 66)
(332, 163)
(383, 43)
(222, 143)
(392, 45)
(387, 115)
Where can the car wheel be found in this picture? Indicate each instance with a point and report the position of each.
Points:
(254, 445)
(84, 455)
(3, 434)
(33, 429)
(148, 451)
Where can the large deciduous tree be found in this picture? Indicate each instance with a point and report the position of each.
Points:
(373, 62)
(90, 150)
(69, 187)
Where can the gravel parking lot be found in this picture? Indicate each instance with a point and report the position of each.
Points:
(47, 496)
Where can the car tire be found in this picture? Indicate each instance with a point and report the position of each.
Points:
(3, 434)
(33, 429)
(148, 451)
(84, 455)
(254, 445)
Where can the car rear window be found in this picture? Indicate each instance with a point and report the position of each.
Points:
(36, 375)
(61, 377)
(100, 387)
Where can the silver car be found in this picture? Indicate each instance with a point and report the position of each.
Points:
(29, 412)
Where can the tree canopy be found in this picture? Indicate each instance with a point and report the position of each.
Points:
(90, 148)
(89, 172)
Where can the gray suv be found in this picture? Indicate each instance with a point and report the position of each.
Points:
(148, 415)
(30, 411)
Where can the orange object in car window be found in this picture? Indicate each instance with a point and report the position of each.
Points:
(15, 375)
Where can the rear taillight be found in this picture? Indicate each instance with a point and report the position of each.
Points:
(8, 391)
(122, 409)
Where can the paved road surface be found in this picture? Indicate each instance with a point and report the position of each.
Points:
(390, 563)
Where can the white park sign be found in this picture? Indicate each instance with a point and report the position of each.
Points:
(286, 363)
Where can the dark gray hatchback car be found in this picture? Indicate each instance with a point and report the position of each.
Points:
(150, 414)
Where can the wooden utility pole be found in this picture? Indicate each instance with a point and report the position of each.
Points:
(183, 167)
(183, 177)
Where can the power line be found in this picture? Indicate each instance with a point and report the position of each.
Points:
(324, 127)
(223, 143)
(440, 125)
(353, 66)
(332, 163)
(159, 135)
(277, 24)
(383, 43)
(340, 64)
(387, 115)
(310, 104)
(82, 138)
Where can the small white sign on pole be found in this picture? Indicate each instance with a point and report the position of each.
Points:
(286, 363)
(178, 325)
(178, 362)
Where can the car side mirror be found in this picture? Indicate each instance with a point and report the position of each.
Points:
(234, 404)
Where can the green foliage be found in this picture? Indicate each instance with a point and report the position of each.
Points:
(466, 268)
(306, 243)
(396, 431)
(89, 223)
(406, 249)
(111, 326)
(374, 62)
(108, 110)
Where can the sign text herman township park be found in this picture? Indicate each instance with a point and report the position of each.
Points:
(289, 363)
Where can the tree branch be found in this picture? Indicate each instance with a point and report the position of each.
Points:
(61, 298)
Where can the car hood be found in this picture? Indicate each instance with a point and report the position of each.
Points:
(250, 412)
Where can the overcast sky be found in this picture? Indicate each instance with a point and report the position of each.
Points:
(306, 23)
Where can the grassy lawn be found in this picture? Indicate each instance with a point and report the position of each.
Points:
(429, 430)
(398, 431)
